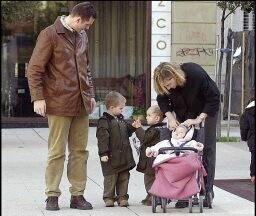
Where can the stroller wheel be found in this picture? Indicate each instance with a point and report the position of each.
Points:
(153, 204)
(190, 200)
(195, 200)
(201, 204)
(163, 204)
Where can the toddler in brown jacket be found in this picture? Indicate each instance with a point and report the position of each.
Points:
(115, 151)
(157, 132)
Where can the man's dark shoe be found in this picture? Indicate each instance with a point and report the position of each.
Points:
(79, 202)
(52, 203)
(181, 204)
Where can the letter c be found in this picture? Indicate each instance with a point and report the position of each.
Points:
(157, 23)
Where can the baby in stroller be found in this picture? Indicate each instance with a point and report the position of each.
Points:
(179, 170)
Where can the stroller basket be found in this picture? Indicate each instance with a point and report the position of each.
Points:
(196, 199)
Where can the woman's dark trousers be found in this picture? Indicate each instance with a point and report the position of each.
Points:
(209, 152)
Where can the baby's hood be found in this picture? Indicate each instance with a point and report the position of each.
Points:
(187, 137)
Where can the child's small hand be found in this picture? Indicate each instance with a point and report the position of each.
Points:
(200, 146)
(104, 158)
(148, 152)
(136, 123)
(155, 153)
(253, 179)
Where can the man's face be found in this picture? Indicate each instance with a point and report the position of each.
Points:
(83, 24)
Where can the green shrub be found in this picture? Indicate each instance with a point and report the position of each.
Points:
(228, 139)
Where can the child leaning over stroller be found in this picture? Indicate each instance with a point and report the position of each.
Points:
(181, 137)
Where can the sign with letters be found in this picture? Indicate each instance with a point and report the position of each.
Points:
(160, 38)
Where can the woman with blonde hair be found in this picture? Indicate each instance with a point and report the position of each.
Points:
(186, 94)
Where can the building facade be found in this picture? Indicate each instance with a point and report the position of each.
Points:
(127, 41)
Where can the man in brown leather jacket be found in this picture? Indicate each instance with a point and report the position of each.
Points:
(61, 87)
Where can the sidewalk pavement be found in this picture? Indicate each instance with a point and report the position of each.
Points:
(24, 153)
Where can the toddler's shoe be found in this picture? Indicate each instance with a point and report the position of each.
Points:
(109, 203)
(123, 203)
(146, 198)
(148, 202)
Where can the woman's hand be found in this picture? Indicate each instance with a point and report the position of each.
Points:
(195, 121)
(104, 158)
(190, 122)
(172, 122)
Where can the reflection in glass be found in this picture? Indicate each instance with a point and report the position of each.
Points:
(118, 51)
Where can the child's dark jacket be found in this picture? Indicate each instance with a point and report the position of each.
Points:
(150, 137)
(247, 127)
(113, 141)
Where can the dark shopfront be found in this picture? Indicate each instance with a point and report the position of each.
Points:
(119, 50)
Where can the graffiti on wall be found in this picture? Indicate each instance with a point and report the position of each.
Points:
(195, 52)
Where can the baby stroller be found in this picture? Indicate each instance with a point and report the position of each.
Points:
(179, 178)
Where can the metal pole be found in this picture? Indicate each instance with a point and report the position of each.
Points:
(216, 59)
(242, 89)
(230, 86)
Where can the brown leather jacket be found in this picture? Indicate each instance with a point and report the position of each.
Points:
(59, 72)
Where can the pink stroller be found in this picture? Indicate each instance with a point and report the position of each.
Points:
(179, 178)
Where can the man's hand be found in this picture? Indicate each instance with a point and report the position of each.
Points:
(104, 158)
(253, 179)
(40, 107)
(93, 104)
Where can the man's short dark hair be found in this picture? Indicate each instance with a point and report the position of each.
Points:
(85, 10)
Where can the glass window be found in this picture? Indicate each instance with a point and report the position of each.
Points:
(21, 23)
(119, 51)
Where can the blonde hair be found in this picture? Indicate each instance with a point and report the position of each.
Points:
(167, 70)
(157, 111)
(114, 99)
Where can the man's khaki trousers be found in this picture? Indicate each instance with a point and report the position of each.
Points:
(73, 130)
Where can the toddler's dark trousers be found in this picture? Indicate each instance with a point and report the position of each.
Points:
(148, 181)
(116, 186)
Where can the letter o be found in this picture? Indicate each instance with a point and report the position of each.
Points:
(159, 46)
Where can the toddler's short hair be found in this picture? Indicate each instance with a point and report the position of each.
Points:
(114, 99)
(157, 111)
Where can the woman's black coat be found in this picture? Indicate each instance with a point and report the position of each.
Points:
(199, 94)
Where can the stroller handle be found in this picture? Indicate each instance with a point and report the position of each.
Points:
(176, 149)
